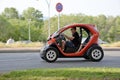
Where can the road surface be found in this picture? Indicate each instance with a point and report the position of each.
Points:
(21, 61)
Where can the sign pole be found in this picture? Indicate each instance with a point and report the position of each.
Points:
(58, 21)
(49, 20)
(59, 8)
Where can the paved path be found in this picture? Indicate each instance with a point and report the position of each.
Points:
(20, 61)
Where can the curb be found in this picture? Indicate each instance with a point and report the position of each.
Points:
(111, 49)
(27, 50)
(19, 50)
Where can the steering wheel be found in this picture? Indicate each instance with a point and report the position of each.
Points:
(60, 38)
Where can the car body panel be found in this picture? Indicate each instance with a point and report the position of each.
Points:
(93, 40)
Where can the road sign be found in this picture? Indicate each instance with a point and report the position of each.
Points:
(59, 7)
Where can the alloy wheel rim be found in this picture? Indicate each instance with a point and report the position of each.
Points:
(51, 55)
(96, 54)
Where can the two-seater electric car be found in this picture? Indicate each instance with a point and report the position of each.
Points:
(88, 44)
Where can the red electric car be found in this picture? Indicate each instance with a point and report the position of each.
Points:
(88, 44)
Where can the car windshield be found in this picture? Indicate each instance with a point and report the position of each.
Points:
(56, 32)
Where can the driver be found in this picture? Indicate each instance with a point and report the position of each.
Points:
(73, 41)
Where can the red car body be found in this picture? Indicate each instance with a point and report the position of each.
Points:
(92, 42)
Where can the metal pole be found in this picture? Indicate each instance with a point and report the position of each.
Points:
(29, 35)
(49, 19)
(48, 3)
(58, 21)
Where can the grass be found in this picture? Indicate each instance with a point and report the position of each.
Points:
(64, 74)
(19, 45)
(115, 44)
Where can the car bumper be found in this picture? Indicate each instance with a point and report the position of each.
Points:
(43, 50)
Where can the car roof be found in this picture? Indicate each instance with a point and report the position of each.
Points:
(90, 27)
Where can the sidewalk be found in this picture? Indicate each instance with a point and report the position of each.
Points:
(17, 50)
(37, 49)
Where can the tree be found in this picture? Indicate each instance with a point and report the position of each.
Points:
(5, 29)
(17, 28)
(117, 22)
(33, 14)
(10, 13)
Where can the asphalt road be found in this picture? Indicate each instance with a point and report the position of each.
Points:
(21, 61)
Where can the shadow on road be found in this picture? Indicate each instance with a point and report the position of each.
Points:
(72, 61)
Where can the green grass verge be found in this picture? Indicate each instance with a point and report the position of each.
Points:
(115, 44)
(64, 74)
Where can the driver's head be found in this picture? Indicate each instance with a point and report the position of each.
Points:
(73, 30)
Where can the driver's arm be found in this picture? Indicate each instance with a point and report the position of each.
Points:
(70, 38)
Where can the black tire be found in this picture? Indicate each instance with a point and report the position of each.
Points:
(95, 53)
(51, 55)
(43, 58)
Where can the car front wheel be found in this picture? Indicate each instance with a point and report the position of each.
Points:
(51, 55)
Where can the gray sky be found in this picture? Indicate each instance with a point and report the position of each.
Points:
(88, 7)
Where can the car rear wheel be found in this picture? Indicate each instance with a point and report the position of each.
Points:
(95, 53)
(51, 55)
